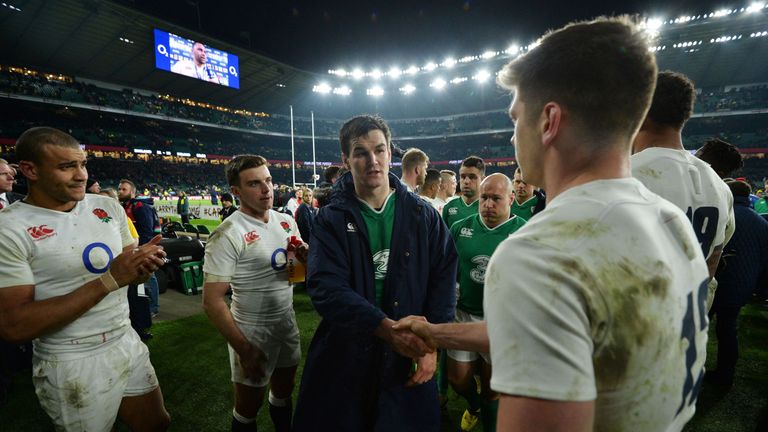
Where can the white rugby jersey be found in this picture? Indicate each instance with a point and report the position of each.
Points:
(691, 184)
(58, 252)
(253, 254)
(602, 297)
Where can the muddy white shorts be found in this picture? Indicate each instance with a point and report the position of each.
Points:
(280, 342)
(468, 356)
(84, 394)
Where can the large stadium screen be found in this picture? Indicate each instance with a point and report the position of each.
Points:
(196, 60)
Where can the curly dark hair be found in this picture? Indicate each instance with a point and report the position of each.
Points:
(673, 99)
(722, 156)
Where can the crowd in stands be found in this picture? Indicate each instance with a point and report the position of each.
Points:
(31, 83)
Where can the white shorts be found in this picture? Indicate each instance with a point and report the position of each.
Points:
(85, 394)
(279, 341)
(467, 356)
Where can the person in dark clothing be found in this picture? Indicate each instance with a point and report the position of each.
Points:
(305, 215)
(743, 270)
(227, 206)
(143, 216)
(182, 207)
(379, 253)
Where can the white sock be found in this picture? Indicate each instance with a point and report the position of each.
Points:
(242, 419)
(274, 401)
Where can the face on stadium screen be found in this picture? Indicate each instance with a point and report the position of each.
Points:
(255, 191)
(368, 160)
(61, 173)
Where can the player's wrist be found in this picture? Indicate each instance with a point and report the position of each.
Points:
(109, 282)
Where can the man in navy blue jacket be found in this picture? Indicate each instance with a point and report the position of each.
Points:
(379, 253)
(744, 268)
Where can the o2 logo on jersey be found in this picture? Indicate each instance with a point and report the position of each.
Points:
(380, 263)
(279, 259)
(97, 257)
(478, 272)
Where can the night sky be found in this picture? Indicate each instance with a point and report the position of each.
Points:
(321, 35)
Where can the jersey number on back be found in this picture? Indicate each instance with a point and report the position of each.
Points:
(692, 385)
(704, 221)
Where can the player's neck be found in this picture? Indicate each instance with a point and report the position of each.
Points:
(256, 214)
(469, 200)
(521, 201)
(566, 172)
(374, 197)
(39, 199)
(663, 138)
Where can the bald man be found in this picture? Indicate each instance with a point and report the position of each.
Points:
(476, 239)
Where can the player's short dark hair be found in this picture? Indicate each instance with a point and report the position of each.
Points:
(673, 100)
(602, 72)
(432, 177)
(130, 183)
(331, 172)
(241, 163)
(739, 188)
(474, 162)
(29, 146)
(322, 195)
(359, 126)
(722, 156)
(227, 197)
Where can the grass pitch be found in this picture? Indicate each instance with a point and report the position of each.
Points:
(192, 364)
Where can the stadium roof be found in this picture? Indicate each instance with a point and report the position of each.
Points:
(113, 42)
(108, 42)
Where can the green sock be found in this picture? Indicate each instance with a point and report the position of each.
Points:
(488, 415)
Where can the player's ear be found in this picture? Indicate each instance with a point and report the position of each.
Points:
(345, 161)
(549, 124)
(29, 169)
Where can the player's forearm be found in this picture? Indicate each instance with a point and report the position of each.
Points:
(464, 336)
(36, 318)
(221, 317)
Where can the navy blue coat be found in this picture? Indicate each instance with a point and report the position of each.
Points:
(352, 380)
(745, 258)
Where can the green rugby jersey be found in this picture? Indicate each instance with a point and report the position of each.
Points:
(524, 210)
(379, 224)
(456, 210)
(475, 243)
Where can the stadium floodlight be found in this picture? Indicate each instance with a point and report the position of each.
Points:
(343, 91)
(429, 67)
(341, 72)
(438, 84)
(413, 70)
(721, 12)
(407, 89)
(357, 73)
(375, 74)
(481, 76)
(458, 80)
(449, 62)
(754, 7)
(322, 88)
(513, 49)
(466, 59)
(375, 91)
(394, 72)
(488, 55)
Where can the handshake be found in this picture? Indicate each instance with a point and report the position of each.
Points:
(418, 339)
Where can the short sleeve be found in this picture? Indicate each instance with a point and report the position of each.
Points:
(15, 255)
(221, 255)
(538, 325)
